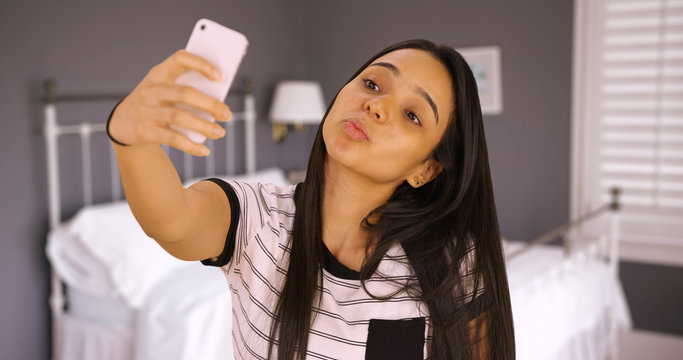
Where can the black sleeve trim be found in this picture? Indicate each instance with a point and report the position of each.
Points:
(230, 239)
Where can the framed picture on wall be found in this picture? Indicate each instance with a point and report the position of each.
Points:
(485, 64)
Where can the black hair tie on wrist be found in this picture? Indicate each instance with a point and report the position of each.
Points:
(107, 126)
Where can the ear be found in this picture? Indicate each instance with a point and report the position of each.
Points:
(429, 170)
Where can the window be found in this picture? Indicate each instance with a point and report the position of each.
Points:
(627, 119)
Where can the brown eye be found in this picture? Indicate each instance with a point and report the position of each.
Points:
(411, 115)
(371, 85)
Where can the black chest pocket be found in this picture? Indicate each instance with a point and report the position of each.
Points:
(396, 339)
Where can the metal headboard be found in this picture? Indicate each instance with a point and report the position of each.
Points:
(565, 230)
(52, 131)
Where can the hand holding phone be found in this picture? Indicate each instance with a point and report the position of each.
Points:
(224, 48)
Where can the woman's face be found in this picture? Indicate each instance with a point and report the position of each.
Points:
(386, 122)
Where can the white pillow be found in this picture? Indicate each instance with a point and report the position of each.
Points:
(134, 261)
(76, 265)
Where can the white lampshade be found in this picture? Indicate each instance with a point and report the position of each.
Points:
(297, 102)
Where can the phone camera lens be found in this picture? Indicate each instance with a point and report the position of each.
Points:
(203, 26)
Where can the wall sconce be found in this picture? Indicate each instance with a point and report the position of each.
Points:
(298, 103)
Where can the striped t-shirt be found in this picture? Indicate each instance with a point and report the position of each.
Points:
(348, 323)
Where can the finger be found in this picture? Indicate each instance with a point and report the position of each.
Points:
(179, 141)
(183, 94)
(182, 60)
(185, 119)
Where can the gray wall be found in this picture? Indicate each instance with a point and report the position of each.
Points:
(104, 47)
(108, 47)
(532, 182)
(529, 143)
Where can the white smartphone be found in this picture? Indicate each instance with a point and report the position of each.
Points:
(224, 48)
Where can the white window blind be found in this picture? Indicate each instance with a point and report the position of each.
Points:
(632, 126)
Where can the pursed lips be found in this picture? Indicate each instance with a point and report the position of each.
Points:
(356, 129)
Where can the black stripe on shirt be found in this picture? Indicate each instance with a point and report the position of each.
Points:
(260, 276)
(369, 300)
(340, 318)
(338, 339)
(336, 281)
(245, 345)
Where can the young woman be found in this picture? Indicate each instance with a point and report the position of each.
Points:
(390, 248)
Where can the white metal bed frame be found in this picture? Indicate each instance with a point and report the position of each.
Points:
(52, 131)
(610, 241)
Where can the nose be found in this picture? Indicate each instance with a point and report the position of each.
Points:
(377, 109)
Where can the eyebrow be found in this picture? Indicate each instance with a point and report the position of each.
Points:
(389, 66)
(420, 91)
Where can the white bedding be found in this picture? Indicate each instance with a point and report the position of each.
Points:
(187, 316)
(87, 339)
(103, 251)
(111, 248)
(77, 266)
(563, 308)
(128, 296)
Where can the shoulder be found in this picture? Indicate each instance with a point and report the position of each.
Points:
(267, 197)
(263, 205)
(263, 218)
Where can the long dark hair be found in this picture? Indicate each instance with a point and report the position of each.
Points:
(448, 229)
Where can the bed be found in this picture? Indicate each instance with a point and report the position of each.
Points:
(117, 295)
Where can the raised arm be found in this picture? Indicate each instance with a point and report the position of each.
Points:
(190, 224)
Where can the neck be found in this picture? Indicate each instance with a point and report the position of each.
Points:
(347, 199)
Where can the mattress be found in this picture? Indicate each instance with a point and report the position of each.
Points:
(186, 316)
(95, 327)
(83, 339)
(110, 310)
(564, 308)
